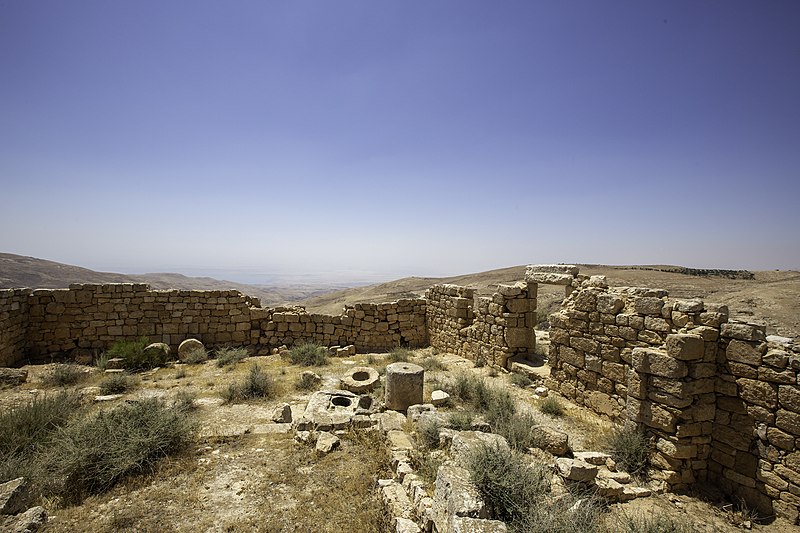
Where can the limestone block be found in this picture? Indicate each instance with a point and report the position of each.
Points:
(404, 383)
(648, 305)
(326, 442)
(360, 379)
(549, 278)
(188, 346)
(454, 495)
(758, 392)
(575, 469)
(745, 332)
(14, 496)
(685, 347)
(551, 440)
(609, 303)
(518, 337)
(658, 363)
(745, 352)
(689, 306)
(439, 398)
(788, 421)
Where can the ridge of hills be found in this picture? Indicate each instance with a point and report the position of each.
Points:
(769, 296)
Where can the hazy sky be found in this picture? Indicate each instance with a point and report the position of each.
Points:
(414, 137)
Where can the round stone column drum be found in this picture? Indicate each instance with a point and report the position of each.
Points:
(404, 382)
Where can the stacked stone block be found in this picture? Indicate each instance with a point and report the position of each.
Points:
(40, 323)
(757, 424)
(492, 329)
(13, 323)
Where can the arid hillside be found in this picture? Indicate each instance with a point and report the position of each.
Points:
(21, 271)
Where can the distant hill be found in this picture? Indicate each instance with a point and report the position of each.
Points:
(21, 271)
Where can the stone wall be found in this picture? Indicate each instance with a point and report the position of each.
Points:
(721, 402)
(13, 323)
(44, 322)
(489, 328)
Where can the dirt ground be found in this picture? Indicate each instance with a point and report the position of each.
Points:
(246, 473)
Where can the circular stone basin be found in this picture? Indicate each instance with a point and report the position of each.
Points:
(341, 401)
(360, 379)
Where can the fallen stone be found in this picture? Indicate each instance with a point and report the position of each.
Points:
(282, 414)
(14, 496)
(395, 498)
(551, 440)
(115, 363)
(399, 440)
(404, 525)
(440, 398)
(28, 522)
(631, 493)
(158, 349)
(389, 420)
(188, 346)
(619, 477)
(575, 469)
(608, 488)
(326, 442)
(454, 495)
(466, 524)
(360, 379)
(107, 397)
(309, 376)
(305, 437)
(593, 458)
(541, 392)
(415, 411)
(464, 443)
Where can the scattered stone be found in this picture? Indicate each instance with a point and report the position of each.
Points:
(404, 525)
(188, 346)
(115, 363)
(28, 522)
(454, 495)
(282, 414)
(576, 470)
(593, 458)
(360, 379)
(415, 411)
(14, 496)
(107, 397)
(541, 392)
(439, 398)
(389, 420)
(466, 524)
(465, 442)
(619, 477)
(608, 488)
(159, 347)
(395, 499)
(551, 440)
(310, 376)
(399, 440)
(305, 437)
(326, 442)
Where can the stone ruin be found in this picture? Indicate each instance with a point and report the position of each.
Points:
(719, 397)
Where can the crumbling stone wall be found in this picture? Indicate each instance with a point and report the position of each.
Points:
(721, 402)
(92, 317)
(13, 323)
(492, 328)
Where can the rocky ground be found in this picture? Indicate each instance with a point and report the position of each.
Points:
(246, 472)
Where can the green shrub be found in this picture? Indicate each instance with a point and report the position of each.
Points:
(116, 383)
(630, 448)
(518, 430)
(428, 434)
(493, 402)
(460, 420)
(62, 375)
(136, 356)
(92, 454)
(520, 380)
(308, 354)
(196, 356)
(551, 406)
(257, 384)
(101, 361)
(400, 355)
(230, 356)
(508, 484)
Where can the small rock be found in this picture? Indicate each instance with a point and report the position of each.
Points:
(115, 363)
(440, 398)
(541, 392)
(188, 346)
(404, 525)
(28, 522)
(399, 440)
(608, 488)
(326, 442)
(415, 411)
(107, 397)
(282, 414)
(575, 469)
(310, 376)
(13, 496)
(305, 437)
(593, 458)
(552, 440)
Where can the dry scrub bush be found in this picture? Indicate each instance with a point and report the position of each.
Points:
(228, 355)
(196, 356)
(116, 384)
(631, 449)
(257, 384)
(551, 406)
(62, 375)
(400, 355)
(308, 354)
(136, 356)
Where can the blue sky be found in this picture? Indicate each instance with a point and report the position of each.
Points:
(396, 138)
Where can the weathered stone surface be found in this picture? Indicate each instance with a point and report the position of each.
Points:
(575, 469)
(647, 305)
(608, 488)
(549, 278)
(14, 496)
(466, 524)
(658, 363)
(440, 398)
(609, 303)
(404, 384)
(282, 414)
(689, 306)
(30, 521)
(551, 440)
(162, 349)
(12, 376)
(745, 352)
(396, 499)
(404, 525)
(685, 347)
(464, 443)
(454, 495)
(360, 379)
(519, 337)
(593, 458)
(745, 332)
(758, 392)
(789, 397)
(416, 411)
(326, 442)
(188, 346)
(328, 409)
(389, 420)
